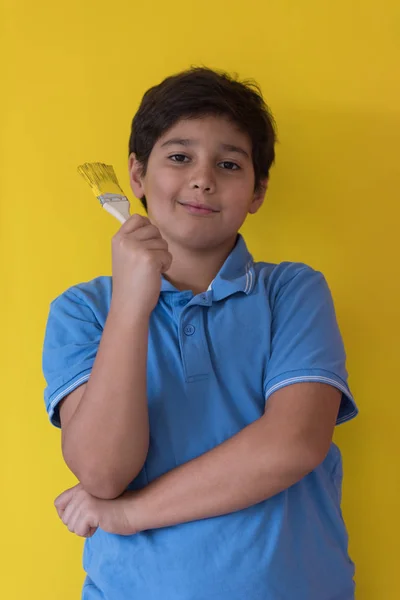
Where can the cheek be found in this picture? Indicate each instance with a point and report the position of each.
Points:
(240, 196)
(240, 185)
(165, 184)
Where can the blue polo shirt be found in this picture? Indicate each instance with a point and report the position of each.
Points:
(214, 360)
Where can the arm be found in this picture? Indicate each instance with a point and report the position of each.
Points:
(280, 448)
(265, 458)
(105, 430)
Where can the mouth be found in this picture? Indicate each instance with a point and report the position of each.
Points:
(196, 208)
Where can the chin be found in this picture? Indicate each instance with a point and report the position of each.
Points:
(201, 240)
(198, 243)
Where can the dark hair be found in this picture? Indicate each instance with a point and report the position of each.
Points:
(200, 92)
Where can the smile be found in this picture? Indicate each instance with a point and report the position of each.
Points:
(198, 209)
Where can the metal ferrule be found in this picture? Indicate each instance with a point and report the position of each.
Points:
(111, 198)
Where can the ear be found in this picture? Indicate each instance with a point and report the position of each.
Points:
(258, 197)
(135, 176)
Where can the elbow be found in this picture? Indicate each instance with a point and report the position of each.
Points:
(105, 488)
(101, 480)
(105, 485)
(311, 458)
(299, 461)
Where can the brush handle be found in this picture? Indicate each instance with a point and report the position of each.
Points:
(118, 209)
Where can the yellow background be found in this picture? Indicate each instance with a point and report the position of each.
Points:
(73, 74)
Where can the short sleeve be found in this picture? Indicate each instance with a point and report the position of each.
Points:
(306, 344)
(70, 346)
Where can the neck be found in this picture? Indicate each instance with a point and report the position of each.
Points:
(195, 270)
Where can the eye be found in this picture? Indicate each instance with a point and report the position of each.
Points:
(178, 158)
(229, 165)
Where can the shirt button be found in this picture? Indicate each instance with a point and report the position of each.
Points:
(189, 330)
(182, 302)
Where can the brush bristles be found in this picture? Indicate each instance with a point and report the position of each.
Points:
(101, 178)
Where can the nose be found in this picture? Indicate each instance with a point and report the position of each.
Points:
(203, 180)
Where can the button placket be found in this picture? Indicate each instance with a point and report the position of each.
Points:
(193, 344)
(179, 306)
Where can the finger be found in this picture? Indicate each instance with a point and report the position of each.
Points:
(156, 244)
(84, 526)
(66, 516)
(160, 258)
(134, 223)
(165, 260)
(63, 499)
(148, 232)
(74, 518)
(92, 531)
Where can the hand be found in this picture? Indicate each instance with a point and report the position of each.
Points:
(139, 256)
(83, 514)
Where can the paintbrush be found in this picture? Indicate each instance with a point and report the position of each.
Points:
(104, 183)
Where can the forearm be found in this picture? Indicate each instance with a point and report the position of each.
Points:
(250, 467)
(106, 441)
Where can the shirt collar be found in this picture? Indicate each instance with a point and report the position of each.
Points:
(235, 275)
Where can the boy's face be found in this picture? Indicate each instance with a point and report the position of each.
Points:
(199, 183)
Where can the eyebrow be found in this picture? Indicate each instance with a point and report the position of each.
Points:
(189, 142)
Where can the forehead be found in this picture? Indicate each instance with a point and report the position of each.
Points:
(210, 130)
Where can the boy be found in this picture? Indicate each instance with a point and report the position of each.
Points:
(203, 439)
